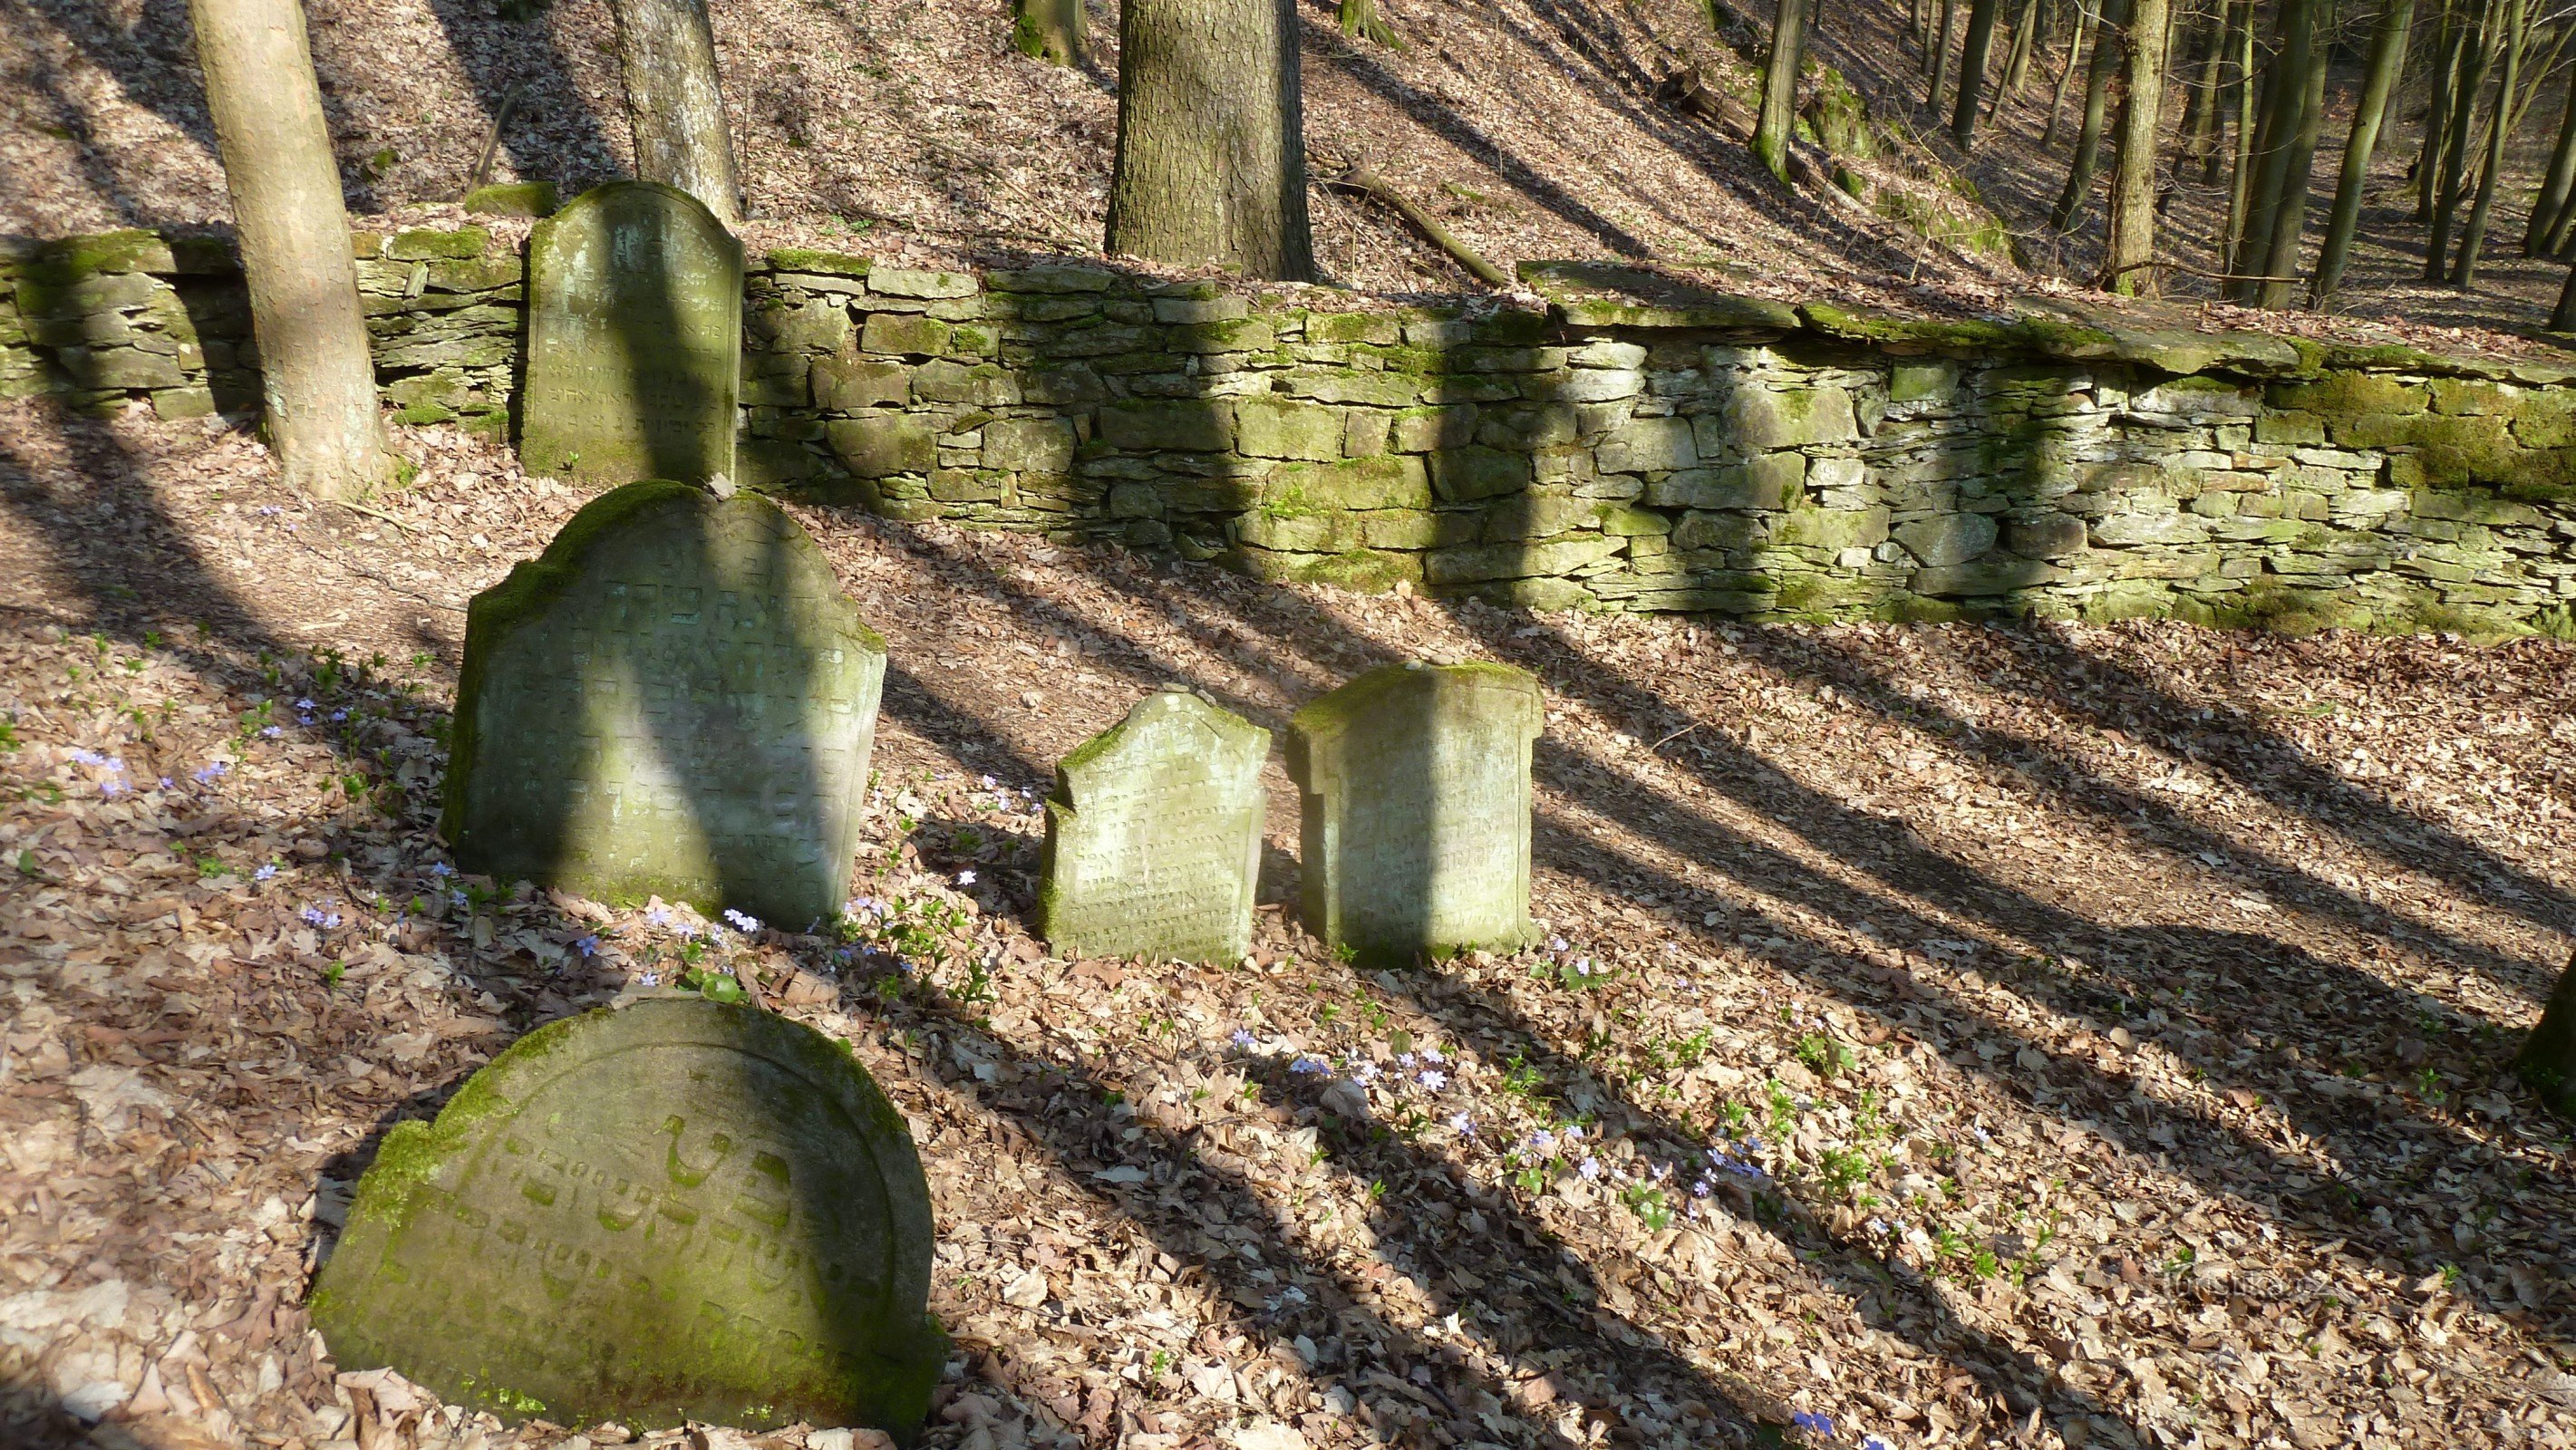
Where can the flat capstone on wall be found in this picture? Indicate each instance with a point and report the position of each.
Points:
(1638, 444)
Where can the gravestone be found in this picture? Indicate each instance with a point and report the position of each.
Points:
(1415, 783)
(1154, 835)
(676, 698)
(634, 338)
(677, 1211)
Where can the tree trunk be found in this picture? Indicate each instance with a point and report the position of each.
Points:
(2201, 73)
(2551, 213)
(1050, 30)
(2437, 111)
(1941, 55)
(2234, 80)
(2240, 187)
(1972, 69)
(1211, 166)
(2473, 237)
(2132, 246)
(2547, 1062)
(2017, 61)
(1360, 18)
(316, 375)
(2085, 24)
(2290, 212)
(2478, 49)
(2097, 108)
(1771, 130)
(667, 57)
(2285, 88)
(2378, 84)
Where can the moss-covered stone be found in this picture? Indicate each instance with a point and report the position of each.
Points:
(513, 199)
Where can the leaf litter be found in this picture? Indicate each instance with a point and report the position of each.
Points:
(2033, 1035)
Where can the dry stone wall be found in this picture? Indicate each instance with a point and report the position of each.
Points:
(1631, 447)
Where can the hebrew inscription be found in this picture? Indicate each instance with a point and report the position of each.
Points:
(1154, 835)
(679, 1211)
(675, 698)
(1415, 786)
(634, 338)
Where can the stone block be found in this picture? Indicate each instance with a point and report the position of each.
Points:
(1221, 308)
(1461, 475)
(1374, 389)
(1391, 481)
(1923, 381)
(1833, 529)
(1374, 328)
(678, 1151)
(1768, 482)
(981, 385)
(2052, 537)
(1987, 577)
(1285, 428)
(634, 338)
(1648, 445)
(424, 245)
(119, 367)
(1946, 539)
(1759, 419)
(1716, 531)
(897, 282)
(854, 385)
(1188, 425)
(1589, 385)
(1364, 433)
(884, 443)
(1424, 430)
(2129, 530)
(1475, 563)
(822, 325)
(1415, 791)
(1535, 515)
(904, 333)
(1029, 445)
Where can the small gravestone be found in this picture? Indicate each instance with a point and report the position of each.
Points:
(634, 338)
(1154, 835)
(678, 1211)
(1416, 791)
(676, 698)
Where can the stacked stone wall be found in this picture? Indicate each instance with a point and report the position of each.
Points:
(1712, 453)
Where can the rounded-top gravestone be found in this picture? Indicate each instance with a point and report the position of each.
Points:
(677, 1211)
(675, 699)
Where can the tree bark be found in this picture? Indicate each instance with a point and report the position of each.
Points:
(2017, 60)
(1941, 55)
(1211, 165)
(667, 58)
(1771, 130)
(2240, 186)
(1359, 18)
(2097, 106)
(2473, 237)
(2378, 84)
(1973, 58)
(2547, 1062)
(2549, 211)
(316, 374)
(2086, 22)
(2478, 49)
(1050, 30)
(2437, 111)
(2285, 88)
(2290, 212)
(2132, 246)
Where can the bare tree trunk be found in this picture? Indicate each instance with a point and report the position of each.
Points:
(1978, 50)
(2551, 204)
(2087, 20)
(1941, 56)
(2479, 49)
(667, 57)
(1050, 30)
(2097, 107)
(2547, 1061)
(2017, 61)
(316, 375)
(1360, 18)
(2473, 237)
(2448, 43)
(1780, 86)
(2290, 212)
(2379, 82)
(2132, 246)
(2240, 187)
(1211, 166)
(2200, 122)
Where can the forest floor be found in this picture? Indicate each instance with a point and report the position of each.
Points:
(2030, 1035)
(1534, 129)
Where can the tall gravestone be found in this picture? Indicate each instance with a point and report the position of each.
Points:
(1154, 835)
(676, 698)
(1415, 783)
(677, 1211)
(634, 338)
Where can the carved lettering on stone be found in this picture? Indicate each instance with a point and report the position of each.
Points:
(677, 1211)
(675, 698)
(1415, 783)
(1154, 835)
(634, 338)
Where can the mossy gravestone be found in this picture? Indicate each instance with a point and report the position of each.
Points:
(1416, 790)
(634, 338)
(676, 698)
(1154, 835)
(678, 1211)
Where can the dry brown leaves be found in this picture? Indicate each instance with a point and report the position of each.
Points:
(2031, 1035)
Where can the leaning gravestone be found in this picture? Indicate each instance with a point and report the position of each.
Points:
(1154, 835)
(678, 1211)
(676, 698)
(1416, 790)
(634, 338)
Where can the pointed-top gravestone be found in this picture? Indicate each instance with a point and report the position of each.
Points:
(676, 698)
(678, 1211)
(1154, 836)
(634, 338)
(1416, 828)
